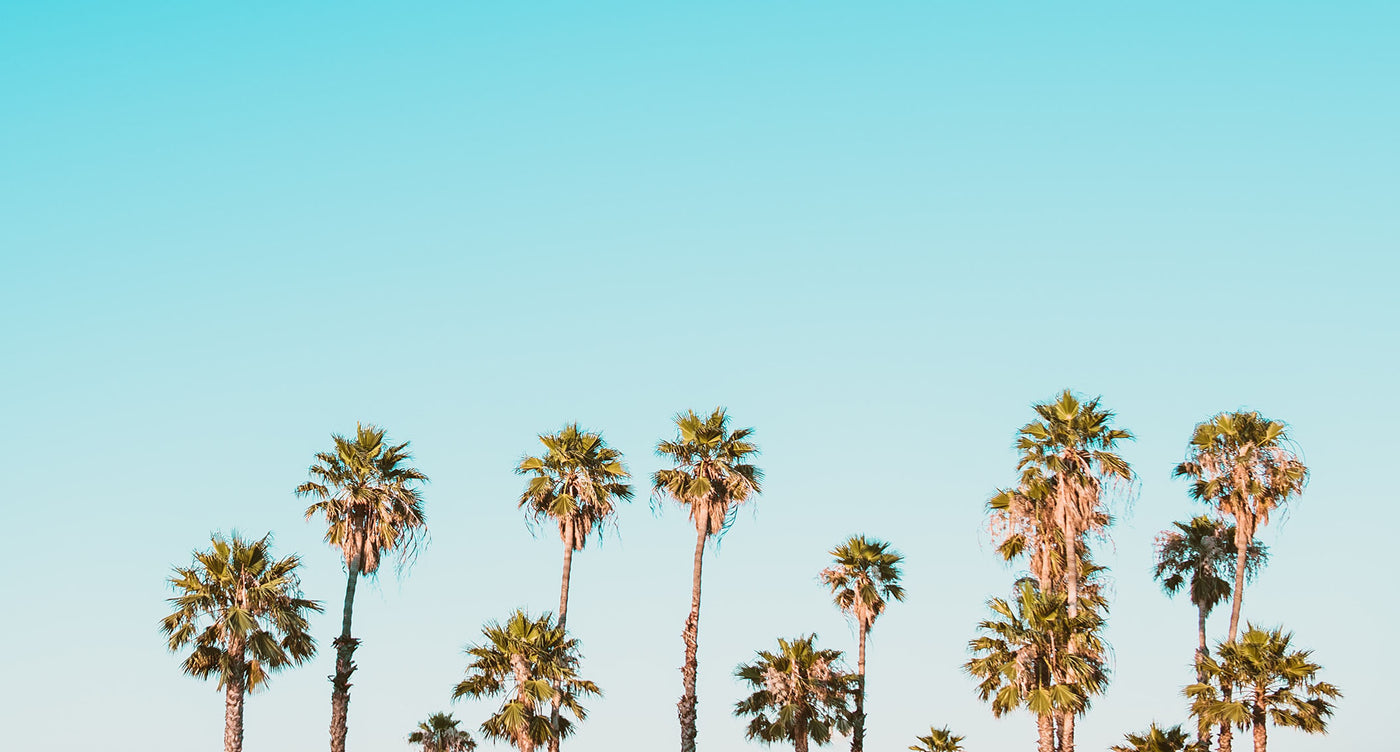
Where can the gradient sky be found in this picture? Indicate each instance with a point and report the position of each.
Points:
(876, 232)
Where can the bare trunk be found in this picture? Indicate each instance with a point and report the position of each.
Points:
(523, 741)
(685, 709)
(344, 651)
(558, 700)
(1241, 551)
(1067, 733)
(1202, 652)
(233, 715)
(1227, 734)
(1261, 729)
(1046, 726)
(799, 743)
(858, 733)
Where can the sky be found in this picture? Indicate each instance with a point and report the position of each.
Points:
(877, 233)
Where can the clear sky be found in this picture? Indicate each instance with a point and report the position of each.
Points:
(876, 232)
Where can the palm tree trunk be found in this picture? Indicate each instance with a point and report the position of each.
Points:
(685, 709)
(1046, 726)
(1202, 652)
(858, 734)
(558, 700)
(800, 741)
(233, 715)
(344, 650)
(1067, 732)
(1241, 551)
(523, 741)
(1261, 729)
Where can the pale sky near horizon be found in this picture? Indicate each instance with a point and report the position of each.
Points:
(876, 233)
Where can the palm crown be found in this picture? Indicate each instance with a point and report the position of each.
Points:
(527, 660)
(799, 694)
(1195, 556)
(440, 734)
(369, 496)
(711, 476)
(864, 578)
(574, 482)
(938, 740)
(1243, 463)
(242, 612)
(1155, 739)
(1272, 681)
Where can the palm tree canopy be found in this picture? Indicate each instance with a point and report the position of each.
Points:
(864, 578)
(938, 740)
(574, 482)
(1155, 739)
(712, 475)
(1244, 464)
(1072, 442)
(798, 690)
(1197, 554)
(1267, 673)
(440, 734)
(525, 659)
(241, 611)
(1021, 658)
(370, 498)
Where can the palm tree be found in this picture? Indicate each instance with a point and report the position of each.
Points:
(440, 734)
(1157, 739)
(711, 478)
(1277, 683)
(1193, 557)
(799, 694)
(575, 482)
(371, 502)
(863, 579)
(529, 661)
(1243, 464)
(1068, 463)
(242, 612)
(1022, 660)
(938, 740)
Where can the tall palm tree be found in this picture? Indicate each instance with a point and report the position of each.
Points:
(1068, 461)
(575, 483)
(241, 611)
(711, 478)
(863, 579)
(938, 740)
(1276, 682)
(1157, 739)
(440, 734)
(1021, 661)
(528, 660)
(1197, 553)
(372, 505)
(799, 694)
(1243, 464)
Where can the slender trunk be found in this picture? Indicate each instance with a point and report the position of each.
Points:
(858, 733)
(344, 651)
(1202, 652)
(558, 700)
(1046, 726)
(800, 741)
(1242, 541)
(523, 741)
(1067, 732)
(1261, 729)
(233, 715)
(685, 709)
(1227, 734)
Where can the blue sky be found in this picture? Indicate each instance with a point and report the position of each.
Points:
(875, 233)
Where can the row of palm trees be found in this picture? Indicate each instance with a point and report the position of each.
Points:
(241, 613)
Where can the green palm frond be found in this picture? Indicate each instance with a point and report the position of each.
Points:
(575, 482)
(712, 476)
(864, 578)
(1271, 681)
(799, 692)
(938, 740)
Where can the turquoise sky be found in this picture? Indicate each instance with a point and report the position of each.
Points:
(876, 232)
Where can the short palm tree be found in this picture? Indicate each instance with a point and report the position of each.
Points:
(370, 499)
(799, 694)
(711, 478)
(1275, 683)
(1243, 464)
(575, 482)
(528, 660)
(241, 611)
(863, 579)
(938, 740)
(1194, 557)
(1157, 739)
(1021, 660)
(440, 734)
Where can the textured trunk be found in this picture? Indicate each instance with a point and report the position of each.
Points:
(563, 615)
(523, 741)
(233, 716)
(858, 733)
(344, 651)
(1227, 734)
(1202, 652)
(1067, 732)
(799, 744)
(685, 709)
(1046, 726)
(1261, 729)
(1241, 551)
